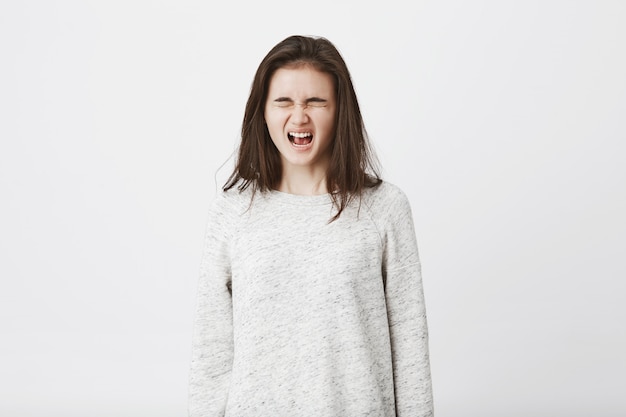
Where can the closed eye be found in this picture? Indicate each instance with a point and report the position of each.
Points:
(313, 102)
(316, 102)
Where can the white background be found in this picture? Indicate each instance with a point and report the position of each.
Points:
(504, 122)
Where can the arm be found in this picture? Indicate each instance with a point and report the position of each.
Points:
(406, 314)
(212, 347)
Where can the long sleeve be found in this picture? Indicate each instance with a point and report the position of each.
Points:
(293, 317)
(212, 347)
(406, 314)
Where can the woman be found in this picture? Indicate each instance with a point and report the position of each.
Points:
(310, 298)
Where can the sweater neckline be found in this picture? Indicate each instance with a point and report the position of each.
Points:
(298, 199)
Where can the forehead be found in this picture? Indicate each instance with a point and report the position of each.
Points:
(299, 82)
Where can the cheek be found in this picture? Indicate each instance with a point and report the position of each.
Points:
(274, 126)
(274, 121)
(329, 125)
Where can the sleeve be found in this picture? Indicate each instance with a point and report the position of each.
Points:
(406, 313)
(212, 345)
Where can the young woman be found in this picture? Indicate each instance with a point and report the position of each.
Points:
(310, 298)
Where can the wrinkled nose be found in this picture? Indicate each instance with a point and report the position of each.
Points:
(299, 115)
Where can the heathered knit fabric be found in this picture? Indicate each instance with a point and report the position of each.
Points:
(297, 316)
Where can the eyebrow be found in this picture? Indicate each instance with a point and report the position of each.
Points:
(308, 100)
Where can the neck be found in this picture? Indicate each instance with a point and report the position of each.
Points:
(303, 181)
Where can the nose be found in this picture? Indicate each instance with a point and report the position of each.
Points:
(299, 114)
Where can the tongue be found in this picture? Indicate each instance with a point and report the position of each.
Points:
(301, 141)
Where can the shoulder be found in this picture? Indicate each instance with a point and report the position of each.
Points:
(386, 197)
(228, 206)
(388, 207)
(233, 200)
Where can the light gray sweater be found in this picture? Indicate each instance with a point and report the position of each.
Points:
(297, 316)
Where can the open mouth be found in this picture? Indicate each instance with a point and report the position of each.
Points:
(300, 138)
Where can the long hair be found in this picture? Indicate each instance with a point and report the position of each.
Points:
(353, 165)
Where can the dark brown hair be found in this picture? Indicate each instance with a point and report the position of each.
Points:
(352, 166)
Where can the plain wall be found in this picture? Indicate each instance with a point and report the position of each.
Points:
(503, 121)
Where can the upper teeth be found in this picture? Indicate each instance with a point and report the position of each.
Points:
(300, 135)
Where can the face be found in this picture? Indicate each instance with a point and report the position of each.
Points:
(300, 116)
